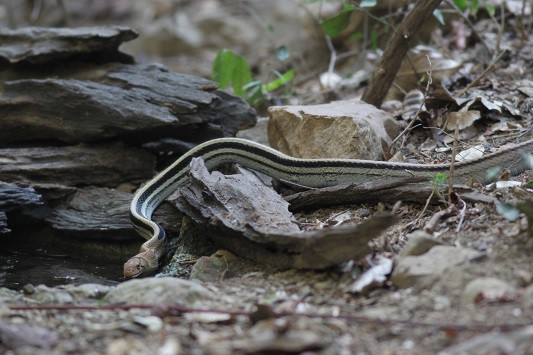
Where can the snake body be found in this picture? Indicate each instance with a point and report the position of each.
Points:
(314, 173)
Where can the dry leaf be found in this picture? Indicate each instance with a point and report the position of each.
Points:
(373, 277)
(462, 118)
(470, 153)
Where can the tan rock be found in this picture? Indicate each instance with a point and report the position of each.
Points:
(342, 129)
(163, 291)
(418, 243)
(423, 270)
(488, 289)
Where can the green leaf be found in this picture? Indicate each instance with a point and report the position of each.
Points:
(241, 76)
(438, 15)
(461, 4)
(357, 36)
(374, 39)
(280, 81)
(282, 53)
(493, 172)
(439, 179)
(253, 91)
(333, 26)
(491, 10)
(368, 3)
(223, 68)
(474, 7)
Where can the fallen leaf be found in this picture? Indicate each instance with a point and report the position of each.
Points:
(470, 153)
(509, 183)
(462, 118)
(373, 277)
(505, 126)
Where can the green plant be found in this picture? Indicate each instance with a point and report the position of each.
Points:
(439, 185)
(231, 69)
(334, 25)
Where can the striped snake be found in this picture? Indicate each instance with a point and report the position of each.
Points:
(314, 173)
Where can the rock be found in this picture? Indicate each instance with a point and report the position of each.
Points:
(152, 103)
(488, 289)
(419, 243)
(3, 223)
(67, 293)
(517, 342)
(8, 296)
(15, 336)
(219, 266)
(528, 297)
(98, 212)
(280, 336)
(107, 165)
(15, 197)
(342, 129)
(45, 45)
(161, 291)
(423, 270)
(258, 133)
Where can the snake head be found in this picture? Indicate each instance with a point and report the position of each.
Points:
(138, 266)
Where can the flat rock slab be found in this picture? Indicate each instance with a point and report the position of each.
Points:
(100, 213)
(104, 165)
(422, 270)
(44, 45)
(342, 129)
(130, 102)
(167, 291)
(3, 223)
(15, 197)
(96, 212)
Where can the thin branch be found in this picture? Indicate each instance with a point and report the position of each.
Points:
(489, 69)
(471, 25)
(422, 103)
(452, 161)
(462, 215)
(395, 50)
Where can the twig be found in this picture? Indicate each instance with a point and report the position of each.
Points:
(452, 161)
(462, 215)
(489, 69)
(333, 53)
(471, 25)
(348, 317)
(425, 207)
(422, 103)
(395, 50)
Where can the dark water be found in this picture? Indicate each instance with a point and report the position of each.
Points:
(20, 267)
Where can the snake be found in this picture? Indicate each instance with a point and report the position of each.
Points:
(312, 173)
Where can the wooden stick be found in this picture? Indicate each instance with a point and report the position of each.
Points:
(395, 51)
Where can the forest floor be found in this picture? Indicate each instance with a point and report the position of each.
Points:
(476, 297)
